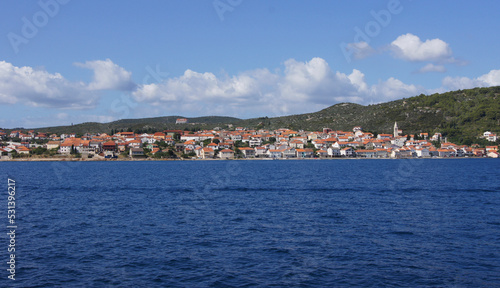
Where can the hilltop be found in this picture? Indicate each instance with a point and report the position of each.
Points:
(460, 115)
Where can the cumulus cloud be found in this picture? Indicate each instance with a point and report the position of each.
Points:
(490, 79)
(108, 76)
(301, 87)
(360, 50)
(393, 89)
(37, 87)
(432, 68)
(32, 87)
(409, 47)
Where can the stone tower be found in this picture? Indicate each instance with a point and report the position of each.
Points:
(396, 130)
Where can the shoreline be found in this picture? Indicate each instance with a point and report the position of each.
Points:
(242, 159)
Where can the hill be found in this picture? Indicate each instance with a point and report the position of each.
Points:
(142, 125)
(460, 115)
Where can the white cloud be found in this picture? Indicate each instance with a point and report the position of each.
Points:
(108, 76)
(302, 87)
(409, 47)
(32, 87)
(432, 68)
(490, 79)
(361, 49)
(393, 89)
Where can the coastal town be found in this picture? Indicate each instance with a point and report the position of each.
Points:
(236, 143)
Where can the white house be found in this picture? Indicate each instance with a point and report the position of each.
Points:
(226, 154)
(248, 152)
(260, 151)
(347, 152)
(255, 142)
(289, 153)
(274, 153)
(422, 152)
(333, 152)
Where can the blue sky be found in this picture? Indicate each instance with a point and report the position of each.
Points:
(68, 61)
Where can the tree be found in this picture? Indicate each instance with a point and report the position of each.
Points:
(159, 155)
(206, 142)
(238, 153)
(171, 154)
(162, 144)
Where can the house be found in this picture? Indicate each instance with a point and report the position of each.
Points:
(366, 153)
(134, 152)
(152, 146)
(381, 153)
(159, 136)
(493, 154)
(289, 153)
(169, 141)
(135, 144)
(260, 151)
(213, 146)
(322, 153)
(226, 154)
(52, 145)
(109, 146)
(181, 121)
(248, 152)
(14, 134)
(479, 152)
(490, 136)
(95, 146)
(405, 152)
(274, 153)
(297, 144)
(23, 150)
(422, 152)
(423, 135)
(305, 153)
(207, 153)
(436, 137)
(445, 152)
(333, 152)
(254, 142)
(491, 148)
(347, 152)
(384, 136)
(121, 146)
(84, 147)
(402, 152)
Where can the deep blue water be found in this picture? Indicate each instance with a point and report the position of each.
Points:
(324, 223)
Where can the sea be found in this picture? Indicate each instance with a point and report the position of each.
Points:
(262, 223)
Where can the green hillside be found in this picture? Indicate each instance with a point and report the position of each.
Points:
(459, 115)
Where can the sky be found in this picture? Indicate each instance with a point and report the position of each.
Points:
(66, 62)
